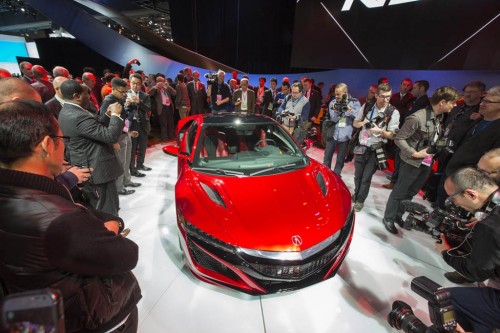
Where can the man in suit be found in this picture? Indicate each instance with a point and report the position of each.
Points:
(197, 94)
(244, 99)
(269, 98)
(314, 101)
(42, 83)
(419, 91)
(138, 107)
(162, 94)
(89, 80)
(259, 95)
(90, 143)
(55, 103)
(25, 68)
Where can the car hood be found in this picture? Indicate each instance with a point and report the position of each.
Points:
(265, 212)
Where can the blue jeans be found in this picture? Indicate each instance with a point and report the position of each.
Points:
(331, 144)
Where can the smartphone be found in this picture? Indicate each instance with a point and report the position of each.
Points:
(34, 311)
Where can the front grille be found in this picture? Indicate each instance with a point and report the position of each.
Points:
(210, 263)
(295, 272)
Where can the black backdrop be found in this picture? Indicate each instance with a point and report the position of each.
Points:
(411, 35)
(253, 36)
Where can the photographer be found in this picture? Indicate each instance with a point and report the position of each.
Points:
(343, 109)
(477, 309)
(296, 107)
(219, 93)
(420, 131)
(378, 122)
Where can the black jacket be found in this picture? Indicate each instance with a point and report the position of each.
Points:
(48, 241)
(484, 260)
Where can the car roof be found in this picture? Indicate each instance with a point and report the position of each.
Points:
(230, 118)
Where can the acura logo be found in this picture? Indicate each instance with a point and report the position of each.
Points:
(296, 240)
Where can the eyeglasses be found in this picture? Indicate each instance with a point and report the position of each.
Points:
(487, 101)
(487, 172)
(384, 97)
(123, 92)
(59, 137)
(451, 198)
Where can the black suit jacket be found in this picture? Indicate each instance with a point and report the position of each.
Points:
(420, 103)
(471, 148)
(138, 113)
(90, 141)
(198, 97)
(403, 105)
(54, 106)
(45, 89)
(315, 103)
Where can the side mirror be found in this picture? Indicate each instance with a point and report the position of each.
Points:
(171, 150)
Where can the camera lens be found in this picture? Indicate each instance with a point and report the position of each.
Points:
(402, 318)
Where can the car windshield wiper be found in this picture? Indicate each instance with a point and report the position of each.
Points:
(220, 171)
(283, 167)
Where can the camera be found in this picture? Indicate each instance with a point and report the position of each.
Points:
(450, 222)
(341, 106)
(211, 78)
(442, 144)
(281, 117)
(441, 310)
(375, 121)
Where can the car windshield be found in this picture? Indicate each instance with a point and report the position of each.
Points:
(247, 149)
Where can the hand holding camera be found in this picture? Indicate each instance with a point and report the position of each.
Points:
(115, 109)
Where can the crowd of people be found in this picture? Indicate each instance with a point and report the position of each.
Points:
(80, 140)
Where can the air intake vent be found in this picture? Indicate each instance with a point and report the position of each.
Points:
(321, 182)
(213, 194)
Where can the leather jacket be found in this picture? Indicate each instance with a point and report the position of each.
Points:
(48, 241)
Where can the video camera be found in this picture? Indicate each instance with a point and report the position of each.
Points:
(441, 310)
(450, 222)
(212, 77)
(281, 117)
(341, 106)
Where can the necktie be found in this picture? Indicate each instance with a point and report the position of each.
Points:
(94, 101)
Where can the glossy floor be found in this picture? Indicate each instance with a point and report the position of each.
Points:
(377, 271)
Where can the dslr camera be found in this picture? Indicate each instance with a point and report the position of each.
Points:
(441, 310)
(375, 121)
(212, 77)
(441, 145)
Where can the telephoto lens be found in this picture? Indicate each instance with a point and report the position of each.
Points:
(381, 158)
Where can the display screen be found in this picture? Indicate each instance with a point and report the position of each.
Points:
(36, 320)
(397, 34)
(12, 49)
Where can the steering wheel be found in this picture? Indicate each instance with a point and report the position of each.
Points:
(264, 140)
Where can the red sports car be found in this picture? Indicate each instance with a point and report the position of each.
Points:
(254, 212)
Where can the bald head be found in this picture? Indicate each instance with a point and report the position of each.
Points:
(4, 73)
(39, 72)
(57, 85)
(13, 88)
(60, 71)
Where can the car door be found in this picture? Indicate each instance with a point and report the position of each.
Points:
(187, 137)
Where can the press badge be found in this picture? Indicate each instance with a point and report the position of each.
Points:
(126, 126)
(244, 106)
(342, 122)
(270, 107)
(219, 98)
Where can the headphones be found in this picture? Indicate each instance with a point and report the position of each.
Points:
(482, 214)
